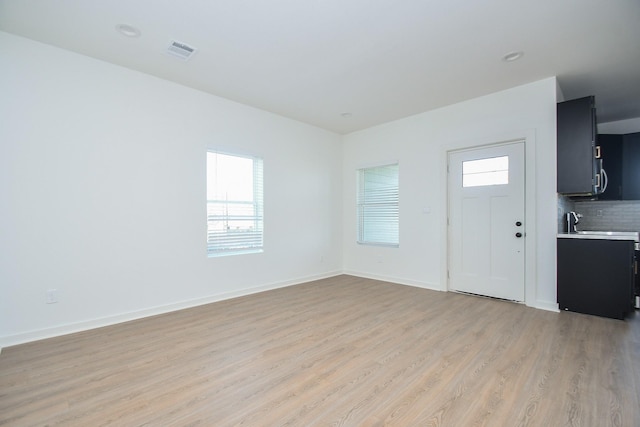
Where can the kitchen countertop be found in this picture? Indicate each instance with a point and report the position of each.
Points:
(602, 235)
(593, 236)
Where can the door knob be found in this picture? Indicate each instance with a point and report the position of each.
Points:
(518, 234)
(518, 223)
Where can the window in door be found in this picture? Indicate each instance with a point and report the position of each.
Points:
(234, 204)
(488, 171)
(377, 205)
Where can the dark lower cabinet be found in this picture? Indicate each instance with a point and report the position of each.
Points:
(636, 291)
(596, 276)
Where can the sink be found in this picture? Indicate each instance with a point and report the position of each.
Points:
(630, 234)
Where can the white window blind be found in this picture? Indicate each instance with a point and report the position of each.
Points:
(234, 204)
(377, 205)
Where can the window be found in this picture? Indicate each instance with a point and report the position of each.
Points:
(234, 204)
(482, 172)
(377, 205)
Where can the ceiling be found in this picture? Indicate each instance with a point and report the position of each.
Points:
(378, 60)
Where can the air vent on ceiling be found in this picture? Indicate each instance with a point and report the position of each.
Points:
(181, 50)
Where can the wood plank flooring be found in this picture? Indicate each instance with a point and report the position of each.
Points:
(343, 351)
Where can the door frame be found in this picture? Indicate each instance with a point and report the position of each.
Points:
(530, 261)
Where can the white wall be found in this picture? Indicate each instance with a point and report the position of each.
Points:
(420, 144)
(102, 194)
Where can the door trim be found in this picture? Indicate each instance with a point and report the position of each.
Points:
(530, 262)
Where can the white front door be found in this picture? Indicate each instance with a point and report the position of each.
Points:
(486, 221)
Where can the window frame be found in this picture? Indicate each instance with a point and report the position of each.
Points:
(390, 208)
(257, 216)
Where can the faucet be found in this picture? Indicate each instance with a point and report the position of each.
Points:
(573, 219)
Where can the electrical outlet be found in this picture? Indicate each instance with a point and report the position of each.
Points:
(51, 296)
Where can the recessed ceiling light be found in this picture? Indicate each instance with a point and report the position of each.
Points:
(346, 115)
(128, 30)
(512, 56)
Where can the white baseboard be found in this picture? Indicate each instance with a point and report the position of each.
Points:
(547, 305)
(393, 279)
(126, 317)
(152, 311)
(541, 305)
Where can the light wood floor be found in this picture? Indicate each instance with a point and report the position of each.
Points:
(342, 352)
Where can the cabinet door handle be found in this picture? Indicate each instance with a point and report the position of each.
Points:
(597, 181)
(605, 178)
(597, 151)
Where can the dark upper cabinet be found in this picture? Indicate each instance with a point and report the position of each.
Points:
(631, 166)
(611, 153)
(621, 161)
(578, 167)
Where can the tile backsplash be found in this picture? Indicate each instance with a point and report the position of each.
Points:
(565, 205)
(605, 215)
